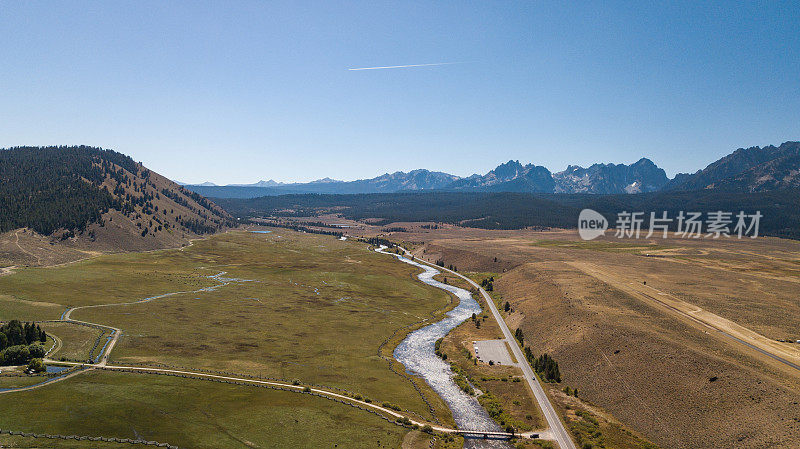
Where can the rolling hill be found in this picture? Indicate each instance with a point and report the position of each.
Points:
(754, 169)
(57, 203)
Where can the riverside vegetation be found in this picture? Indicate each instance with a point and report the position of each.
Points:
(20, 343)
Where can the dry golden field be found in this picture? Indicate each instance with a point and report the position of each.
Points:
(668, 336)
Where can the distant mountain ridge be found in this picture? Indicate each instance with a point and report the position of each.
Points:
(754, 169)
(415, 180)
(751, 169)
(640, 177)
(509, 177)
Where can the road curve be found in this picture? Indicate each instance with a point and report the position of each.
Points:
(558, 431)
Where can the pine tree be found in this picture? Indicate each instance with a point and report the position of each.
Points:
(519, 336)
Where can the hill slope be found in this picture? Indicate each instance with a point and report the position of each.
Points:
(67, 199)
(754, 169)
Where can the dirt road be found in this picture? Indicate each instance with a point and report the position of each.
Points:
(778, 351)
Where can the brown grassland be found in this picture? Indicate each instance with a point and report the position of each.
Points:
(627, 320)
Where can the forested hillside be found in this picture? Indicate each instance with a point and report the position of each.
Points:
(780, 209)
(96, 195)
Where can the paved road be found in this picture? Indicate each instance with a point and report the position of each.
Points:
(494, 351)
(557, 429)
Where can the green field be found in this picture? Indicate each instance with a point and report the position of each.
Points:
(191, 414)
(295, 306)
(31, 443)
(18, 380)
(12, 307)
(76, 341)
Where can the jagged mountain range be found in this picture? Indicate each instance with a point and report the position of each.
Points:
(752, 169)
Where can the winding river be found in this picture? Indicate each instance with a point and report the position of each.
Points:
(417, 353)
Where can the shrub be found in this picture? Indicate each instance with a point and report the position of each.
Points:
(21, 354)
(36, 366)
(404, 421)
(391, 406)
(544, 444)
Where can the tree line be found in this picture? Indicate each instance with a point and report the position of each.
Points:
(507, 210)
(19, 343)
(15, 333)
(544, 366)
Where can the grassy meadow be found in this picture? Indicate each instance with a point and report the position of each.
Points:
(294, 306)
(191, 413)
(77, 342)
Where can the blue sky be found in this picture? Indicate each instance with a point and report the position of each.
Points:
(234, 92)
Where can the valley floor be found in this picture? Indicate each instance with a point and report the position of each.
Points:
(305, 309)
(642, 329)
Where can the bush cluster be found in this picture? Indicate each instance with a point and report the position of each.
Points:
(21, 354)
(14, 333)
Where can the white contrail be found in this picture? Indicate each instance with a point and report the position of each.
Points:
(404, 66)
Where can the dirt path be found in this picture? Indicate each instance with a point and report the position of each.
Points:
(103, 364)
(247, 380)
(781, 352)
(35, 256)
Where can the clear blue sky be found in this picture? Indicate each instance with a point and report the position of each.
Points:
(241, 91)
